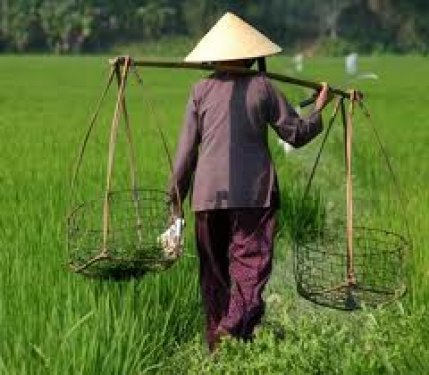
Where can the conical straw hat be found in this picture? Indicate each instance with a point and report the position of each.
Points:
(232, 39)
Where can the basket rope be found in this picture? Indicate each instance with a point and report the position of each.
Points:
(111, 154)
(132, 157)
(164, 142)
(399, 192)
(88, 133)
(122, 77)
(351, 280)
(350, 283)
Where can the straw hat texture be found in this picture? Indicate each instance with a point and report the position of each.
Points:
(231, 38)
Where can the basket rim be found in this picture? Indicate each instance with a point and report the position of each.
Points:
(402, 243)
(402, 237)
(77, 207)
(392, 297)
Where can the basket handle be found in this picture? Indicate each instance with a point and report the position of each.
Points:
(112, 146)
(166, 149)
(88, 133)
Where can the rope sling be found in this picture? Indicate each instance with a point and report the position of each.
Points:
(381, 252)
(93, 251)
(323, 274)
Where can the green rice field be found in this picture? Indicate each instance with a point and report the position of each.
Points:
(55, 322)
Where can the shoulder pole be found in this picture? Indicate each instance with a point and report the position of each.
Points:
(120, 60)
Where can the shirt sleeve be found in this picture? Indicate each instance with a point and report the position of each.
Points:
(289, 126)
(187, 153)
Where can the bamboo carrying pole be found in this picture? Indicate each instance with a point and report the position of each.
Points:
(120, 60)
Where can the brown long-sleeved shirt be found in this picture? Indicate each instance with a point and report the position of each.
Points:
(224, 141)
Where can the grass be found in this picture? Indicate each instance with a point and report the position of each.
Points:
(54, 322)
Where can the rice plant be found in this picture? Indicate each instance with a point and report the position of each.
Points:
(55, 322)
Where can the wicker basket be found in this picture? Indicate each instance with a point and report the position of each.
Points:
(132, 246)
(321, 268)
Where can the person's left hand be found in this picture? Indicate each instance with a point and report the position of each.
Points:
(324, 97)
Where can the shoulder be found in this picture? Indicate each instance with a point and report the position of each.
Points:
(201, 83)
(263, 85)
(200, 88)
(265, 82)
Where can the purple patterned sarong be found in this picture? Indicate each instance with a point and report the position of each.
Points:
(235, 248)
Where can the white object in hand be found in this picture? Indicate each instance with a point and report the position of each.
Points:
(171, 240)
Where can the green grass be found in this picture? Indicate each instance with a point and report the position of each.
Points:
(54, 322)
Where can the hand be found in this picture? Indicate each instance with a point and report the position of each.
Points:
(175, 211)
(324, 97)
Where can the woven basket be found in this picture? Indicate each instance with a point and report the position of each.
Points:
(321, 268)
(133, 246)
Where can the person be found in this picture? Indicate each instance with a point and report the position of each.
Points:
(224, 158)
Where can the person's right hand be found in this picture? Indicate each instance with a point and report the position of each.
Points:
(325, 96)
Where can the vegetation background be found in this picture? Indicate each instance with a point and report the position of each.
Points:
(332, 26)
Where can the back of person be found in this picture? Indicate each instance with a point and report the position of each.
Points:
(234, 167)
